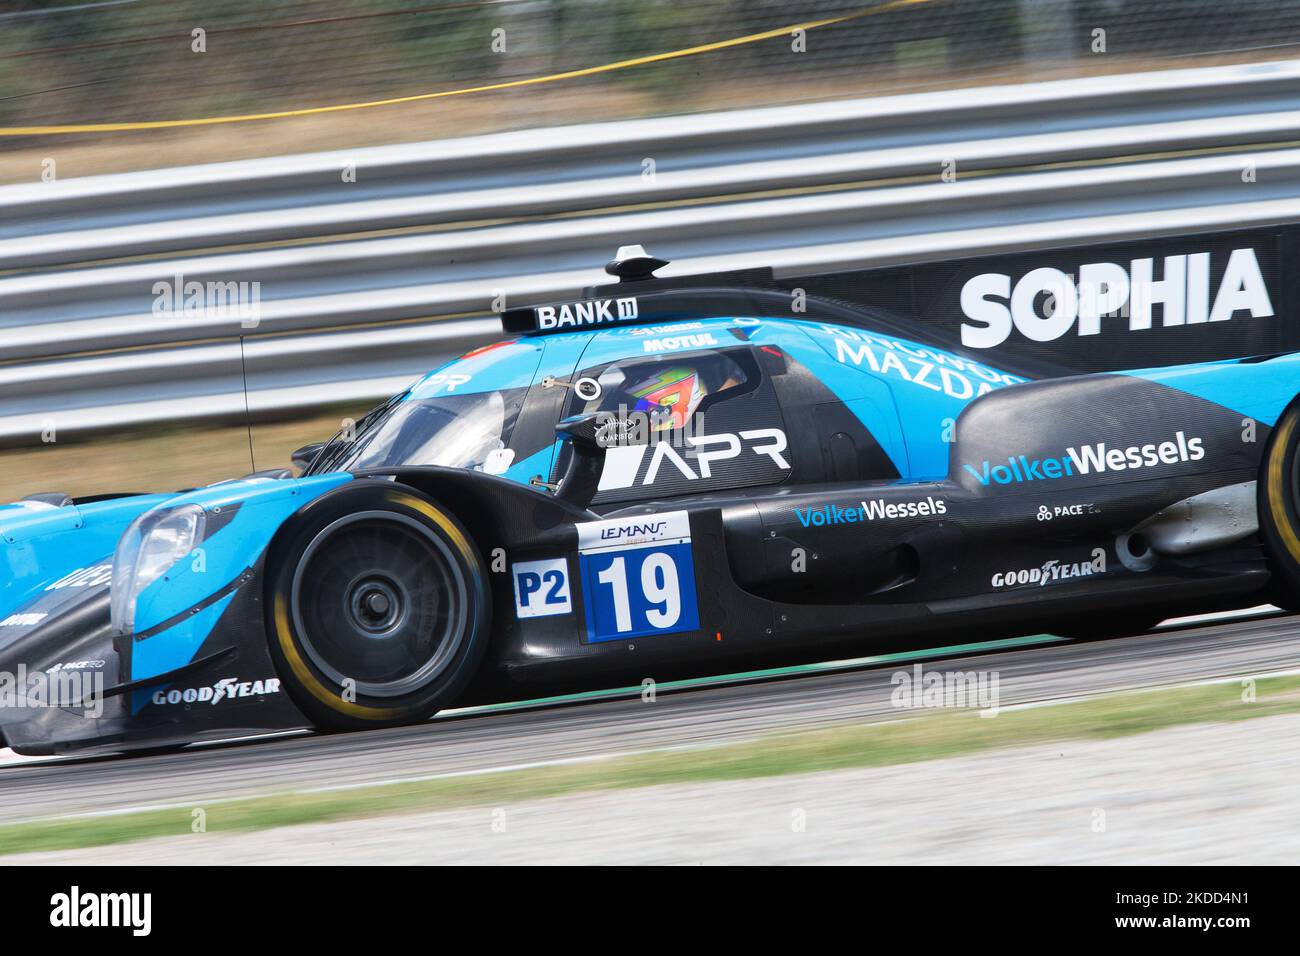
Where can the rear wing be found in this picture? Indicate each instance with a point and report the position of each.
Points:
(1102, 307)
(1087, 308)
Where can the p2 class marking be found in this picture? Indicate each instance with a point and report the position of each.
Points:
(542, 588)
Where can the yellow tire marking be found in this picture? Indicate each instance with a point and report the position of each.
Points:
(1277, 488)
(438, 518)
(307, 679)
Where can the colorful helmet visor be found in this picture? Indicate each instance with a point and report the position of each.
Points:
(669, 397)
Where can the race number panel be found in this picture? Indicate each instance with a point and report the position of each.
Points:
(638, 576)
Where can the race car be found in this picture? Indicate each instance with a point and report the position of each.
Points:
(664, 477)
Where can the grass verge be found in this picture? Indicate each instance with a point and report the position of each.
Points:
(868, 745)
(162, 457)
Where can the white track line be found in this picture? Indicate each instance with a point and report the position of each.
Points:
(1244, 612)
(600, 758)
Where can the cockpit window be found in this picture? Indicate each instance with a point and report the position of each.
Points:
(669, 392)
(711, 417)
(455, 431)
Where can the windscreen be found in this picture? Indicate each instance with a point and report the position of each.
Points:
(456, 431)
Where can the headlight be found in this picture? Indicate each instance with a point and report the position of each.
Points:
(150, 546)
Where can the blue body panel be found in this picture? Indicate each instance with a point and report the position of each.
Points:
(173, 648)
(263, 505)
(508, 364)
(929, 386)
(45, 544)
(1256, 388)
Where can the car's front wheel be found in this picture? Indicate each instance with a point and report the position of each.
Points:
(1279, 509)
(378, 607)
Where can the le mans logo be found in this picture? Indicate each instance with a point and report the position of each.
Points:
(77, 909)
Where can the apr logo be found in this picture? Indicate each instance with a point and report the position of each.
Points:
(994, 306)
(1088, 459)
(627, 466)
(586, 312)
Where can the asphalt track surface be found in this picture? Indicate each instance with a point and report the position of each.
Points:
(489, 739)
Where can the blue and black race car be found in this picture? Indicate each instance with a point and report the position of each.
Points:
(665, 477)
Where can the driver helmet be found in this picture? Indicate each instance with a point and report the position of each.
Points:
(669, 397)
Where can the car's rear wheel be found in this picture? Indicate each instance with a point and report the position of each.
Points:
(1279, 509)
(378, 607)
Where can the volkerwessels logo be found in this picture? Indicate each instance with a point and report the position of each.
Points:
(995, 306)
(1089, 459)
(586, 312)
(875, 510)
(1049, 572)
(75, 908)
(228, 688)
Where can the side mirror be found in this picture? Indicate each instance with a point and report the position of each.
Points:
(589, 436)
(301, 458)
(581, 478)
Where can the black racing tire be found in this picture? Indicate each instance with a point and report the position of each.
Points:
(1278, 489)
(378, 610)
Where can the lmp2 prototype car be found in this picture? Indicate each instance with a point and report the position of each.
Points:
(666, 477)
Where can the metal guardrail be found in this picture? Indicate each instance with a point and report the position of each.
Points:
(532, 215)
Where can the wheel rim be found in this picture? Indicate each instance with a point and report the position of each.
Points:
(379, 599)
